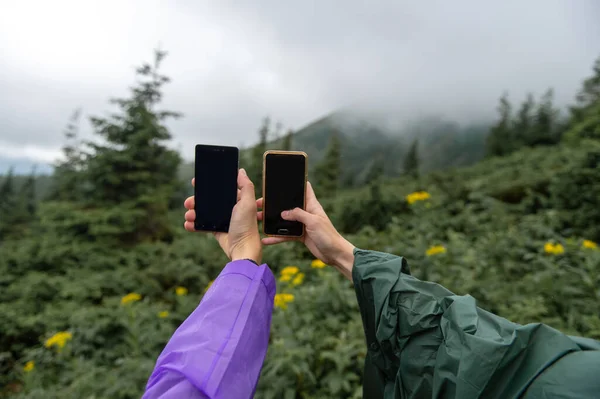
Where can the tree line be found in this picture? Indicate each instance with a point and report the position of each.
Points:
(540, 123)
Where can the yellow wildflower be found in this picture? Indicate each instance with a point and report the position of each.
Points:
(59, 339)
(318, 264)
(281, 300)
(589, 244)
(209, 284)
(29, 366)
(181, 291)
(287, 273)
(435, 250)
(163, 314)
(554, 249)
(132, 297)
(298, 279)
(417, 196)
(289, 270)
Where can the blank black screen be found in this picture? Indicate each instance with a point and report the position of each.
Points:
(215, 192)
(284, 190)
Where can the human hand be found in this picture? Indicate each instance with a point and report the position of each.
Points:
(320, 237)
(243, 239)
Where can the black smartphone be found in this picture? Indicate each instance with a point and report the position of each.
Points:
(215, 191)
(284, 188)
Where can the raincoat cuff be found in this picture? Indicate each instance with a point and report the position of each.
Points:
(248, 269)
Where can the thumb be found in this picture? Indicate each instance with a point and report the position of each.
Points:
(297, 215)
(246, 186)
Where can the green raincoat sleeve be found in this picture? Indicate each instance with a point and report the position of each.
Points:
(425, 342)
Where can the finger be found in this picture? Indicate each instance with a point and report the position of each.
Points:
(259, 202)
(259, 215)
(276, 240)
(193, 182)
(312, 203)
(189, 203)
(239, 194)
(190, 216)
(297, 215)
(246, 187)
(189, 226)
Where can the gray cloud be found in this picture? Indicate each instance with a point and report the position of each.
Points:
(234, 62)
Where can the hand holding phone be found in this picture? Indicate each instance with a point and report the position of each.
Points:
(284, 188)
(224, 203)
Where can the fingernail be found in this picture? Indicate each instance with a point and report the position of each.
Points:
(243, 172)
(285, 214)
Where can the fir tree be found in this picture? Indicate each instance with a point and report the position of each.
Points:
(544, 131)
(500, 135)
(8, 203)
(68, 176)
(411, 162)
(132, 172)
(327, 172)
(258, 152)
(585, 115)
(7, 189)
(376, 171)
(523, 124)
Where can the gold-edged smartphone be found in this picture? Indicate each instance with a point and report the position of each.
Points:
(284, 188)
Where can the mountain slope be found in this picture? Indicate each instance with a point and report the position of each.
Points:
(442, 144)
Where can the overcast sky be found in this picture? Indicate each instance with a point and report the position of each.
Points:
(233, 62)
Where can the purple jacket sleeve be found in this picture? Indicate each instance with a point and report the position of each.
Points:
(218, 351)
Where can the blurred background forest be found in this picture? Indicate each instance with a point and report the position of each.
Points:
(96, 270)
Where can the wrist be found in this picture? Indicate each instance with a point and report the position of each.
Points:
(245, 254)
(344, 259)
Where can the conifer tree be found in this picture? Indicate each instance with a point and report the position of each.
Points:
(376, 170)
(132, 173)
(523, 124)
(544, 130)
(7, 189)
(258, 152)
(68, 176)
(585, 115)
(327, 172)
(8, 202)
(411, 162)
(500, 135)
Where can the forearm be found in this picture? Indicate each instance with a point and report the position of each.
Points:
(344, 259)
(229, 328)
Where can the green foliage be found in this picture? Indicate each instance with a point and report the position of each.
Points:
(328, 171)
(576, 194)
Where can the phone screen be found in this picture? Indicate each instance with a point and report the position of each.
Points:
(215, 191)
(285, 178)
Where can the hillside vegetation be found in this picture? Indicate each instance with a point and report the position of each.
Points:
(95, 279)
